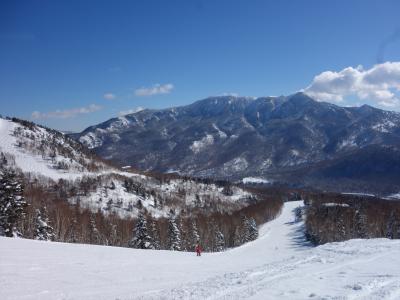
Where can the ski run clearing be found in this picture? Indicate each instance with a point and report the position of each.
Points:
(278, 265)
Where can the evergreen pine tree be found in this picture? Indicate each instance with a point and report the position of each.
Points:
(227, 190)
(360, 224)
(3, 160)
(194, 236)
(238, 236)
(219, 241)
(72, 231)
(141, 238)
(155, 235)
(250, 230)
(113, 240)
(340, 234)
(174, 236)
(12, 204)
(397, 231)
(391, 226)
(245, 230)
(185, 240)
(43, 231)
(94, 234)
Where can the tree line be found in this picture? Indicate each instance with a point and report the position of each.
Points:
(335, 217)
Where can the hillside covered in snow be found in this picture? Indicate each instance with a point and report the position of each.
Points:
(280, 264)
(47, 154)
(44, 152)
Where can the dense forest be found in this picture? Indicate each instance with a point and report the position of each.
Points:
(336, 217)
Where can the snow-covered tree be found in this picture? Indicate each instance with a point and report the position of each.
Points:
(174, 235)
(250, 230)
(3, 160)
(360, 224)
(227, 190)
(12, 203)
(238, 236)
(94, 234)
(113, 238)
(141, 238)
(391, 226)
(155, 235)
(340, 232)
(194, 235)
(112, 186)
(72, 231)
(219, 240)
(43, 231)
(184, 232)
(298, 214)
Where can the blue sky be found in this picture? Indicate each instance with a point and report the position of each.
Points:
(60, 60)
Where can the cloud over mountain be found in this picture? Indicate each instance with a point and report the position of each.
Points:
(66, 113)
(156, 89)
(109, 96)
(381, 84)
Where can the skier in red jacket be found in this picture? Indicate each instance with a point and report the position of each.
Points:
(198, 249)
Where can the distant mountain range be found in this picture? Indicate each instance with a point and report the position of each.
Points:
(291, 140)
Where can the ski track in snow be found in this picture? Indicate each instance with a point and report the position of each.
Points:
(278, 265)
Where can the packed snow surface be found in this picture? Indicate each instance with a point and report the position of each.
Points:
(278, 265)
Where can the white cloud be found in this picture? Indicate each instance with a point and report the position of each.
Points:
(67, 113)
(156, 89)
(380, 84)
(230, 94)
(109, 96)
(131, 111)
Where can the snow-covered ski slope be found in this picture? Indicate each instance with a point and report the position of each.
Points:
(279, 265)
(29, 162)
(33, 163)
(24, 160)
